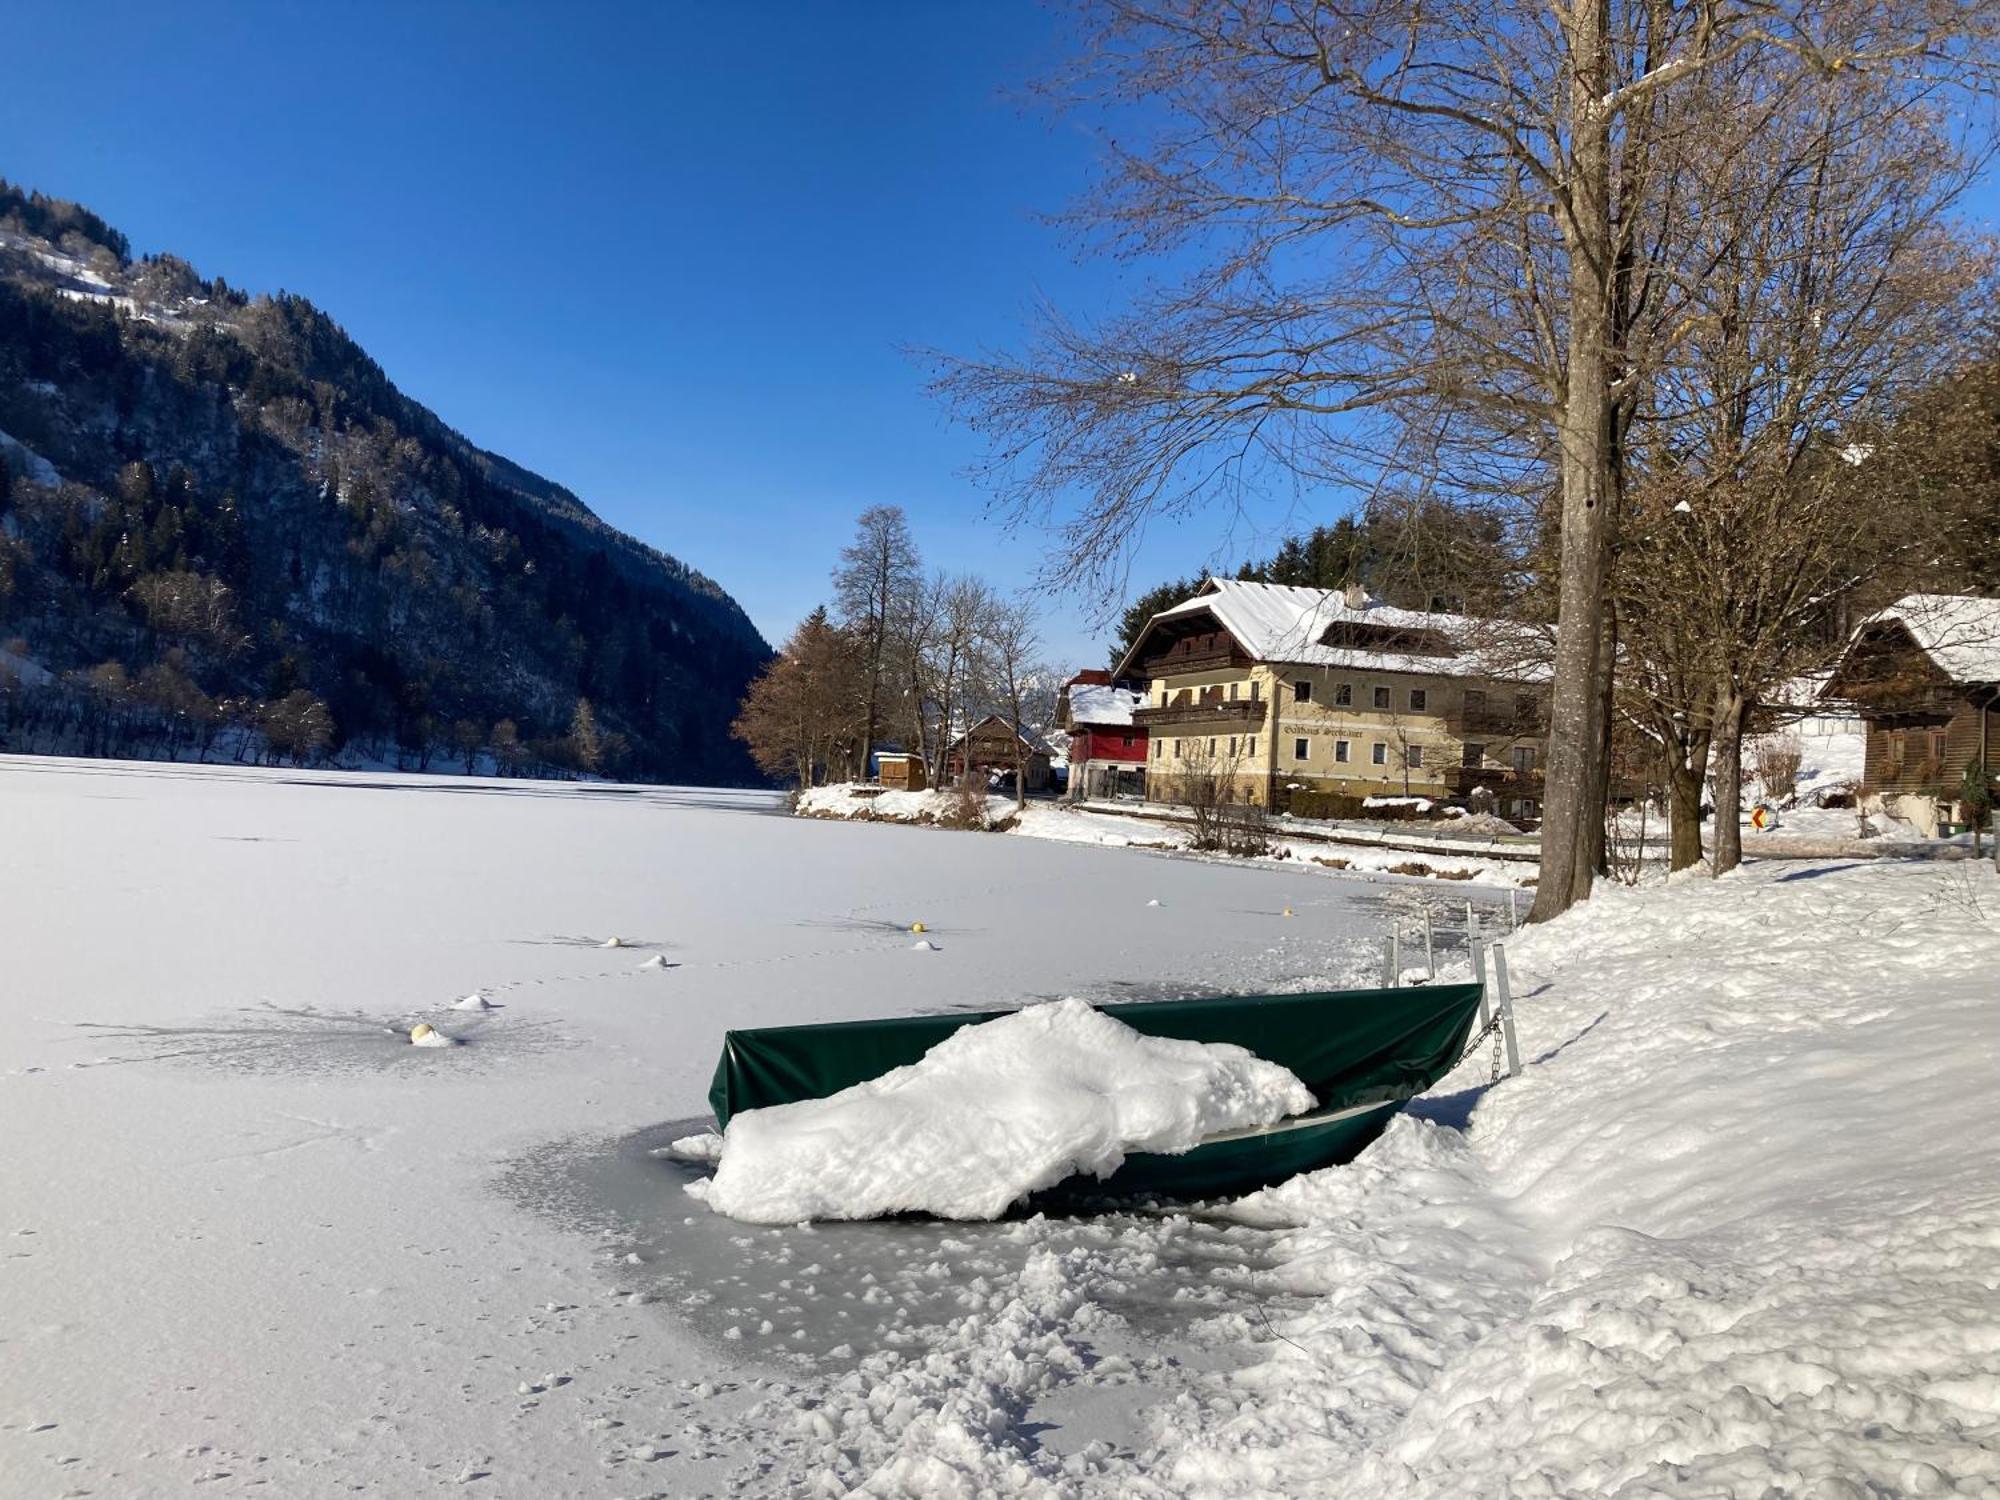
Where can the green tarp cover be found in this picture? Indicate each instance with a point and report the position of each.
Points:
(1349, 1047)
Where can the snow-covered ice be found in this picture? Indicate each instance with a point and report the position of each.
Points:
(993, 1113)
(247, 1229)
(1735, 1231)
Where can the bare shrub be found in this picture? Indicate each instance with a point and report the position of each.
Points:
(1244, 831)
(1775, 761)
(1223, 824)
(964, 804)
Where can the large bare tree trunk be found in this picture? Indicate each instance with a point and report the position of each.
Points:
(1731, 714)
(1573, 809)
(1687, 770)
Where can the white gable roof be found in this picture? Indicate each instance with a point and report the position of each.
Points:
(1277, 622)
(1097, 703)
(1960, 632)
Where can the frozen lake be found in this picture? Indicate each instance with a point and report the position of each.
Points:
(253, 1238)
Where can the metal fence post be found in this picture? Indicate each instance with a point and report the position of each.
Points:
(1430, 952)
(1479, 973)
(1389, 962)
(1506, 1004)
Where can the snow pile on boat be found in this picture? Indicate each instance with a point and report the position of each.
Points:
(991, 1114)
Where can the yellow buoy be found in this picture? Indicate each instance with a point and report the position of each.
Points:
(419, 1031)
(918, 927)
(1288, 911)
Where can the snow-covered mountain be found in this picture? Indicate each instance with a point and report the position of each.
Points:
(214, 505)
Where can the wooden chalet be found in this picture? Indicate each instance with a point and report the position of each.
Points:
(1924, 675)
(992, 746)
(1300, 689)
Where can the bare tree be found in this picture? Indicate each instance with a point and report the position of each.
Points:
(1441, 235)
(873, 588)
(1833, 288)
(950, 665)
(1009, 644)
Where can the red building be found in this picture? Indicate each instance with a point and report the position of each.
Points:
(1107, 751)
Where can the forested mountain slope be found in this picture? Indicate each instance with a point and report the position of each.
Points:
(224, 530)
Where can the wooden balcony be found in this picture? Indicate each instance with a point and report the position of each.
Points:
(1460, 780)
(1188, 711)
(1495, 723)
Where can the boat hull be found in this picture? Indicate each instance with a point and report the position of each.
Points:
(1361, 1052)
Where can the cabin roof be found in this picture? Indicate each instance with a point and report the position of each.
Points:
(1034, 742)
(1275, 622)
(1959, 633)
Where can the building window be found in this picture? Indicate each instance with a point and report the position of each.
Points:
(1413, 757)
(1252, 750)
(1302, 691)
(1418, 699)
(1343, 695)
(1156, 748)
(1128, 742)
(1177, 749)
(1473, 755)
(1937, 746)
(1340, 748)
(1524, 758)
(1381, 697)
(1301, 749)
(1256, 690)
(1379, 753)
(1232, 747)
(1211, 744)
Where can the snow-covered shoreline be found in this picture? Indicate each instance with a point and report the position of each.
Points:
(1062, 822)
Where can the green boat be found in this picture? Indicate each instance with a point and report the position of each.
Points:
(1363, 1053)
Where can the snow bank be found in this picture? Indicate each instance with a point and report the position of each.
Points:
(990, 1115)
(1734, 1231)
(850, 800)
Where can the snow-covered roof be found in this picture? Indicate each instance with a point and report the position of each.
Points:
(1959, 632)
(1280, 623)
(1091, 703)
(1026, 736)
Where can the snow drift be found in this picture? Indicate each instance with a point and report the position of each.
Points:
(993, 1113)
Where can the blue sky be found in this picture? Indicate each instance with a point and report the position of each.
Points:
(669, 255)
